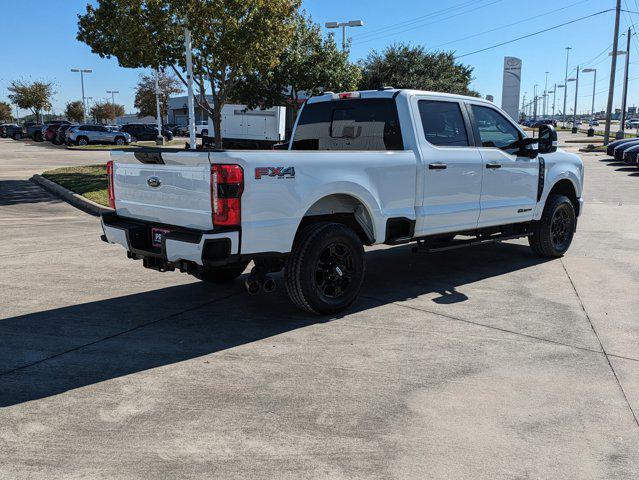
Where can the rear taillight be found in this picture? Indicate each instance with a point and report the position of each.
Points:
(227, 185)
(111, 191)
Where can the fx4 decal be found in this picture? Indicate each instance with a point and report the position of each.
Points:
(277, 172)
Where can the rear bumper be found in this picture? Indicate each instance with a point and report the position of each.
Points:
(181, 248)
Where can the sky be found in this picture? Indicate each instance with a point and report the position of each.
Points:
(41, 45)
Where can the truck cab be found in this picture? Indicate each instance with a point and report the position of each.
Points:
(362, 168)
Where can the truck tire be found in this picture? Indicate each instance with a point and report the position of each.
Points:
(224, 274)
(325, 270)
(552, 234)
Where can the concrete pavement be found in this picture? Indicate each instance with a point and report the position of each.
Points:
(480, 363)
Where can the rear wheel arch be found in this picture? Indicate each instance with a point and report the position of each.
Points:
(341, 208)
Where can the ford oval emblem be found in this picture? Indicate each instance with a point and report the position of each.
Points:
(153, 182)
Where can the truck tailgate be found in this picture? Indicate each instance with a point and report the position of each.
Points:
(173, 189)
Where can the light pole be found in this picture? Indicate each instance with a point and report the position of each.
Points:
(343, 25)
(554, 95)
(535, 101)
(159, 140)
(624, 95)
(566, 83)
(113, 92)
(545, 111)
(574, 113)
(594, 83)
(189, 83)
(89, 104)
(82, 71)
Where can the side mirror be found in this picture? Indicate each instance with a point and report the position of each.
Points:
(547, 139)
(528, 147)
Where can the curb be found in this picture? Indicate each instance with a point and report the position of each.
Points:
(68, 196)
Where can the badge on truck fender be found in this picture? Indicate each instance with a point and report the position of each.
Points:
(276, 172)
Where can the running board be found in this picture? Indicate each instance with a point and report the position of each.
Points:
(423, 247)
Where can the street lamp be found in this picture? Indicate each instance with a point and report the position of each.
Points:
(113, 92)
(351, 23)
(82, 71)
(566, 83)
(89, 105)
(594, 82)
(574, 113)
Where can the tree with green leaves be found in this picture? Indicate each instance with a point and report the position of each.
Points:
(34, 96)
(145, 93)
(403, 66)
(74, 111)
(106, 111)
(309, 64)
(230, 38)
(6, 115)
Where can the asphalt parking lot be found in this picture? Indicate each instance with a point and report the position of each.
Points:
(471, 364)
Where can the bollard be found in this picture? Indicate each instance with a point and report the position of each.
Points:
(591, 132)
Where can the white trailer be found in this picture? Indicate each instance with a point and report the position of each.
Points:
(242, 127)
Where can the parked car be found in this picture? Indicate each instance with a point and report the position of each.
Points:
(539, 123)
(610, 149)
(5, 128)
(14, 131)
(621, 148)
(363, 168)
(144, 131)
(629, 155)
(34, 131)
(60, 137)
(50, 129)
(634, 123)
(87, 134)
(593, 123)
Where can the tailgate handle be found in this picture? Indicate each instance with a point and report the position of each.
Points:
(149, 157)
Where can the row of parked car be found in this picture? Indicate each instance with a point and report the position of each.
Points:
(63, 132)
(625, 150)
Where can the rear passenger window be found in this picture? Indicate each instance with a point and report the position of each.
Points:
(443, 123)
(369, 124)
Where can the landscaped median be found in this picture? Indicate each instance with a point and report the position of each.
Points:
(83, 187)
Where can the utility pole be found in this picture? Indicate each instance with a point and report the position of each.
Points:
(554, 97)
(625, 88)
(613, 69)
(535, 100)
(189, 84)
(566, 84)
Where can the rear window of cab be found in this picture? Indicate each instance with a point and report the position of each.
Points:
(356, 124)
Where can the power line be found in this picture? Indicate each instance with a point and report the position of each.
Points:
(535, 33)
(372, 39)
(394, 26)
(509, 25)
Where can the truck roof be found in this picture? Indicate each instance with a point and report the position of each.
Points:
(390, 93)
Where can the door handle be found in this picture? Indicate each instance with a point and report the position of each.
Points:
(493, 165)
(437, 166)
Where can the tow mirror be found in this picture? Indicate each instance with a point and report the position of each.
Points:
(547, 139)
(528, 147)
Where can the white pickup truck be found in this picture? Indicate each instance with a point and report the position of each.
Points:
(362, 168)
